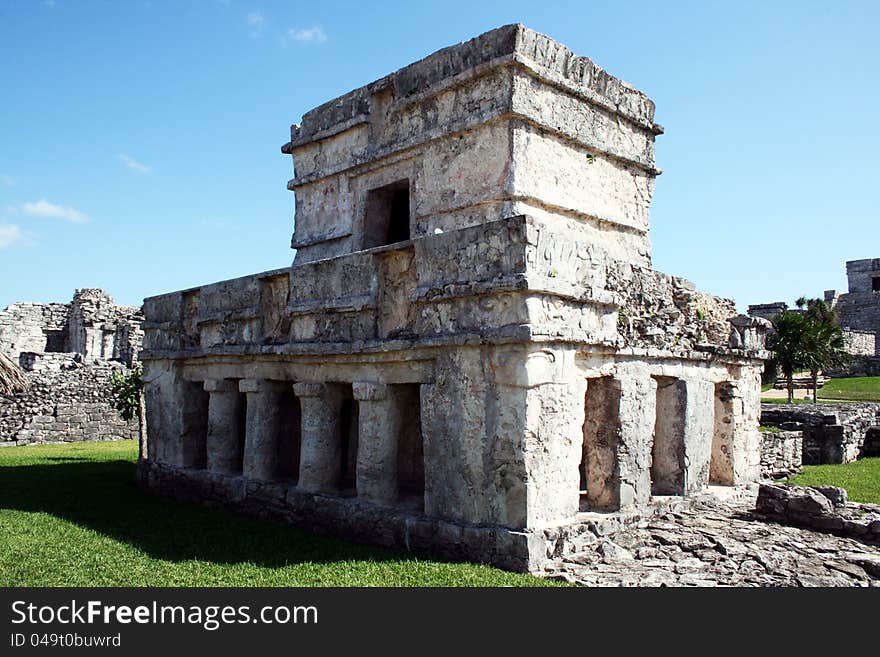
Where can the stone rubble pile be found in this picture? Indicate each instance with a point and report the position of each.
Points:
(825, 508)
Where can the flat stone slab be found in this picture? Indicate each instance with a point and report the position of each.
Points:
(720, 545)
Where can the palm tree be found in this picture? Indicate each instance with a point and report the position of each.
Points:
(824, 345)
(12, 379)
(788, 342)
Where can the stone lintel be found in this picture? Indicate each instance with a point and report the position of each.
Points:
(221, 385)
(309, 389)
(365, 391)
(260, 385)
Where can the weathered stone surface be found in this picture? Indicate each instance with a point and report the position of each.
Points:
(68, 352)
(714, 544)
(92, 325)
(832, 433)
(471, 331)
(821, 507)
(66, 404)
(781, 453)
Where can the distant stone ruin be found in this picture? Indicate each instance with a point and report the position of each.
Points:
(68, 352)
(858, 313)
(91, 325)
(470, 354)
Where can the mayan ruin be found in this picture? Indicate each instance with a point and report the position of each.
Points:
(68, 353)
(410, 297)
(470, 350)
(858, 312)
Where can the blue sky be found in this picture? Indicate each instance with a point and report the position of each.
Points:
(139, 141)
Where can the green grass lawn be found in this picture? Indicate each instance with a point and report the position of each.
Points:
(856, 388)
(71, 515)
(861, 479)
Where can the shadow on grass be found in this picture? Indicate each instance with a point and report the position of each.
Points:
(102, 496)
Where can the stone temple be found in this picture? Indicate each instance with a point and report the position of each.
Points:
(470, 354)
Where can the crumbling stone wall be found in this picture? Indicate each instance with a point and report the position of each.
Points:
(91, 325)
(861, 343)
(67, 401)
(832, 433)
(781, 453)
(98, 328)
(33, 327)
(68, 352)
(667, 312)
(767, 310)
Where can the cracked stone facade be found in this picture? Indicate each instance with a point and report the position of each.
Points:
(470, 353)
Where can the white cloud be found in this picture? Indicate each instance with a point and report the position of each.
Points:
(10, 235)
(133, 164)
(7, 180)
(305, 35)
(43, 208)
(256, 21)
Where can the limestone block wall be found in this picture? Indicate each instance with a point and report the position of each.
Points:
(91, 325)
(453, 130)
(861, 275)
(33, 327)
(98, 328)
(861, 343)
(860, 311)
(66, 401)
(781, 453)
(832, 433)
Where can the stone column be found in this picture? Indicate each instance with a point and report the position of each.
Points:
(320, 461)
(224, 432)
(736, 446)
(262, 427)
(380, 425)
